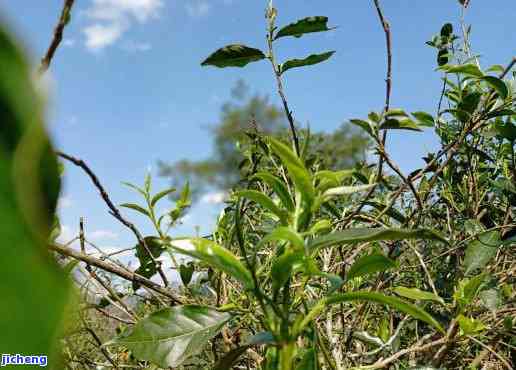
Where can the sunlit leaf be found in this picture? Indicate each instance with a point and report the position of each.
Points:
(215, 256)
(279, 188)
(171, 335)
(417, 294)
(136, 207)
(392, 302)
(479, 252)
(156, 198)
(359, 235)
(468, 69)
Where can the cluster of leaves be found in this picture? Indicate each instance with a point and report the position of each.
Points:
(312, 265)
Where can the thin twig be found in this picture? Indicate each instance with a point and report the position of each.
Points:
(57, 37)
(114, 269)
(113, 209)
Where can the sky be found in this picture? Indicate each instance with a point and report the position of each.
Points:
(126, 88)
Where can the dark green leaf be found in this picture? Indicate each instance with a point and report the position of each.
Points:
(305, 25)
(283, 234)
(308, 61)
(215, 256)
(392, 212)
(136, 207)
(235, 55)
(480, 252)
(360, 235)
(400, 124)
(186, 273)
(498, 85)
(282, 267)
(171, 335)
(369, 265)
(264, 201)
(148, 268)
(424, 119)
(393, 302)
(506, 130)
(156, 198)
(447, 30)
(365, 125)
(279, 188)
(309, 360)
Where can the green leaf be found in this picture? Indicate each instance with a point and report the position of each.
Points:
(415, 293)
(134, 187)
(468, 105)
(309, 360)
(235, 55)
(186, 273)
(365, 125)
(469, 326)
(136, 207)
(498, 85)
(296, 169)
(303, 26)
(156, 198)
(392, 302)
(491, 299)
(279, 188)
(308, 61)
(148, 267)
(215, 256)
(479, 252)
(400, 124)
(282, 267)
(468, 69)
(227, 362)
(424, 119)
(370, 264)
(264, 201)
(171, 335)
(447, 30)
(468, 289)
(283, 234)
(346, 190)
(34, 289)
(507, 130)
(360, 235)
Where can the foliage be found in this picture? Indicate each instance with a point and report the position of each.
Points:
(315, 262)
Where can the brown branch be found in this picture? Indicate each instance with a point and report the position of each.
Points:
(113, 209)
(57, 37)
(114, 269)
(387, 30)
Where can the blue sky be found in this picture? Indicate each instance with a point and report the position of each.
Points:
(126, 86)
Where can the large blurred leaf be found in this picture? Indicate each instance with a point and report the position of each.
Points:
(308, 61)
(359, 235)
(170, 336)
(392, 302)
(33, 289)
(235, 55)
(369, 265)
(305, 25)
(480, 251)
(215, 256)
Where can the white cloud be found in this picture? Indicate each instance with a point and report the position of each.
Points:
(101, 235)
(197, 8)
(214, 198)
(134, 46)
(111, 18)
(69, 42)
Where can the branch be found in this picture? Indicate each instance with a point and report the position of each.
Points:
(58, 36)
(114, 210)
(114, 269)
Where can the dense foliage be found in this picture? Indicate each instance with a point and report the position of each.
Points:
(312, 264)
